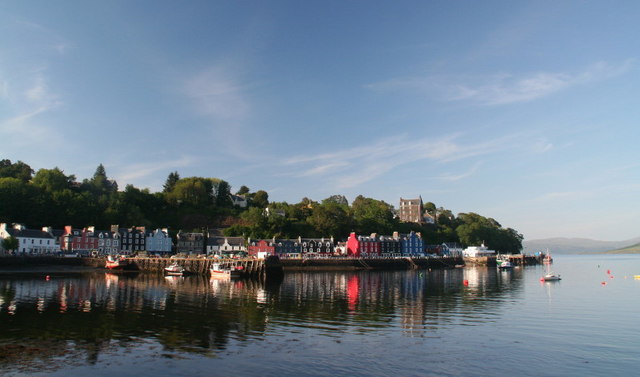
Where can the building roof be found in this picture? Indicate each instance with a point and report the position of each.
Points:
(28, 233)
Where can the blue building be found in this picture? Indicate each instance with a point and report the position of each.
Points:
(412, 244)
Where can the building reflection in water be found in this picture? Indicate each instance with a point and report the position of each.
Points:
(199, 315)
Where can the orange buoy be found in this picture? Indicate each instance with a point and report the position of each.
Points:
(604, 283)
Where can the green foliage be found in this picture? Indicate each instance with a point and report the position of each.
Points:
(196, 203)
(223, 193)
(260, 199)
(172, 179)
(52, 180)
(10, 243)
(192, 191)
(475, 229)
(429, 207)
(330, 219)
(243, 190)
(18, 201)
(18, 170)
(338, 199)
(373, 216)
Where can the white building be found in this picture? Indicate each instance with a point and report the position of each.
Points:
(30, 241)
(225, 245)
(159, 241)
(239, 201)
(478, 251)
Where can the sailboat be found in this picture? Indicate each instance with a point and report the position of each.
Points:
(547, 258)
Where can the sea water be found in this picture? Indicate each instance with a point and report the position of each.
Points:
(472, 321)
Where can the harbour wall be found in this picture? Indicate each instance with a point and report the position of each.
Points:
(403, 263)
(272, 266)
(251, 267)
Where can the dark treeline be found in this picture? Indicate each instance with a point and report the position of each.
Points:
(50, 197)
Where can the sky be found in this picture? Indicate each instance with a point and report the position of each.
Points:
(523, 111)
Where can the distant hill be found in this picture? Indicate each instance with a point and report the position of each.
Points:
(633, 249)
(577, 245)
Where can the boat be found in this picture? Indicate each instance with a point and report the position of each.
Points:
(175, 269)
(116, 262)
(219, 272)
(504, 262)
(547, 258)
(550, 277)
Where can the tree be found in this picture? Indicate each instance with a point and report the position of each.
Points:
(430, 208)
(19, 201)
(18, 170)
(170, 184)
(52, 180)
(99, 184)
(223, 193)
(260, 199)
(192, 191)
(373, 216)
(10, 243)
(243, 190)
(330, 219)
(338, 199)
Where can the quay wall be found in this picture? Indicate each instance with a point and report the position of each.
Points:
(515, 259)
(251, 267)
(313, 264)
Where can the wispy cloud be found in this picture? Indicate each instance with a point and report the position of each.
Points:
(31, 98)
(355, 166)
(541, 146)
(140, 171)
(457, 177)
(501, 89)
(217, 92)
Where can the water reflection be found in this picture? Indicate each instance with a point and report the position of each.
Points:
(82, 319)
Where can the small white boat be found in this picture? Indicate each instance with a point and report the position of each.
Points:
(550, 277)
(116, 262)
(217, 271)
(506, 265)
(175, 269)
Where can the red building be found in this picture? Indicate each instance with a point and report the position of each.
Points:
(360, 246)
(261, 246)
(79, 240)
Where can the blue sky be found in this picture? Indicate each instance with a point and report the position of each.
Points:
(526, 112)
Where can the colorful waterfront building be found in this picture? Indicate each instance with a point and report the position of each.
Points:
(131, 239)
(287, 248)
(261, 247)
(225, 245)
(390, 246)
(30, 241)
(412, 244)
(79, 240)
(108, 242)
(191, 243)
(158, 241)
(363, 247)
(317, 246)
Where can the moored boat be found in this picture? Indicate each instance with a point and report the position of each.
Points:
(550, 277)
(175, 269)
(116, 262)
(503, 262)
(219, 272)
